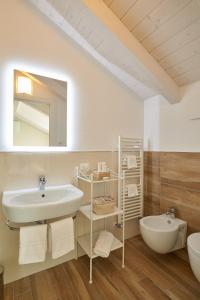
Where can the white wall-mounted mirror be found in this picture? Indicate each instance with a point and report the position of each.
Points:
(40, 111)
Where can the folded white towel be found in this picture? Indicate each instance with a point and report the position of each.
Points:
(132, 190)
(131, 161)
(104, 243)
(61, 237)
(33, 244)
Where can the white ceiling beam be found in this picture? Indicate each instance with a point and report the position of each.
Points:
(56, 15)
(151, 72)
(98, 31)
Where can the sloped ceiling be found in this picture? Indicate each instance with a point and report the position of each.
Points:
(96, 28)
(168, 29)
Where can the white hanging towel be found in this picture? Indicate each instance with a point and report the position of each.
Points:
(61, 237)
(103, 244)
(33, 244)
(131, 161)
(132, 190)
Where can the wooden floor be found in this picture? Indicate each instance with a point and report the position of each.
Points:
(147, 275)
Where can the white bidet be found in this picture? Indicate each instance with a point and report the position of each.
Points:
(163, 233)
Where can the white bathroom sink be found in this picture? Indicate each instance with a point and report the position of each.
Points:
(35, 205)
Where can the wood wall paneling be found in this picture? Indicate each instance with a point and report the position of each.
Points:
(151, 183)
(174, 182)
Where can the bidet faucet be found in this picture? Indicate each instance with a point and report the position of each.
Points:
(42, 182)
(171, 211)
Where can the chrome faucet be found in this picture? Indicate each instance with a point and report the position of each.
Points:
(171, 211)
(42, 182)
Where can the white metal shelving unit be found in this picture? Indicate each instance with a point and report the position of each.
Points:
(87, 242)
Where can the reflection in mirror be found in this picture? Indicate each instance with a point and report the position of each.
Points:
(40, 110)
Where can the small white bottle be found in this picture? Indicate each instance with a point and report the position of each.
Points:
(99, 167)
(104, 167)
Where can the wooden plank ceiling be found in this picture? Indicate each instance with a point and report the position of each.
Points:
(168, 29)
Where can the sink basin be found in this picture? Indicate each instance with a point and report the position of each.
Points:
(32, 205)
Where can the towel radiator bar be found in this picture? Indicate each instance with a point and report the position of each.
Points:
(13, 227)
(133, 205)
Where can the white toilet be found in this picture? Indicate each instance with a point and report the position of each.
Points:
(193, 245)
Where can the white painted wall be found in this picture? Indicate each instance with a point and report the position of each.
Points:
(152, 123)
(99, 109)
(178, 127)
(99, 106)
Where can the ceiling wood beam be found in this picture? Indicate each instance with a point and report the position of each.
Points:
(98, 31)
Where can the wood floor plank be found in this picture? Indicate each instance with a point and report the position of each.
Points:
(129, 288)
(41, 286)
(182, 254)
(135, 275)
(147, 276)
(179, 269)
(151, 270)
(77, 281)
(64, 285)
(153, 290)
(115, 279)
(181, 293)
(93, 289)
(108, 289)
(22, 286)
(25, 296)
(9, 292)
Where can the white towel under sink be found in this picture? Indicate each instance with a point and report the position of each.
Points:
(33, 244)
(61, 237)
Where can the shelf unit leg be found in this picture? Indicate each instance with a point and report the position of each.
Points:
(76, 237)
(123, 224)
(91, 229)
(90, 271)
(123, 248)
(123, 265)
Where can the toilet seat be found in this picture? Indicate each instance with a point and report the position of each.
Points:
(193, 244)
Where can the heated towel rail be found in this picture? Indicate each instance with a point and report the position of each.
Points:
(133, 205)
